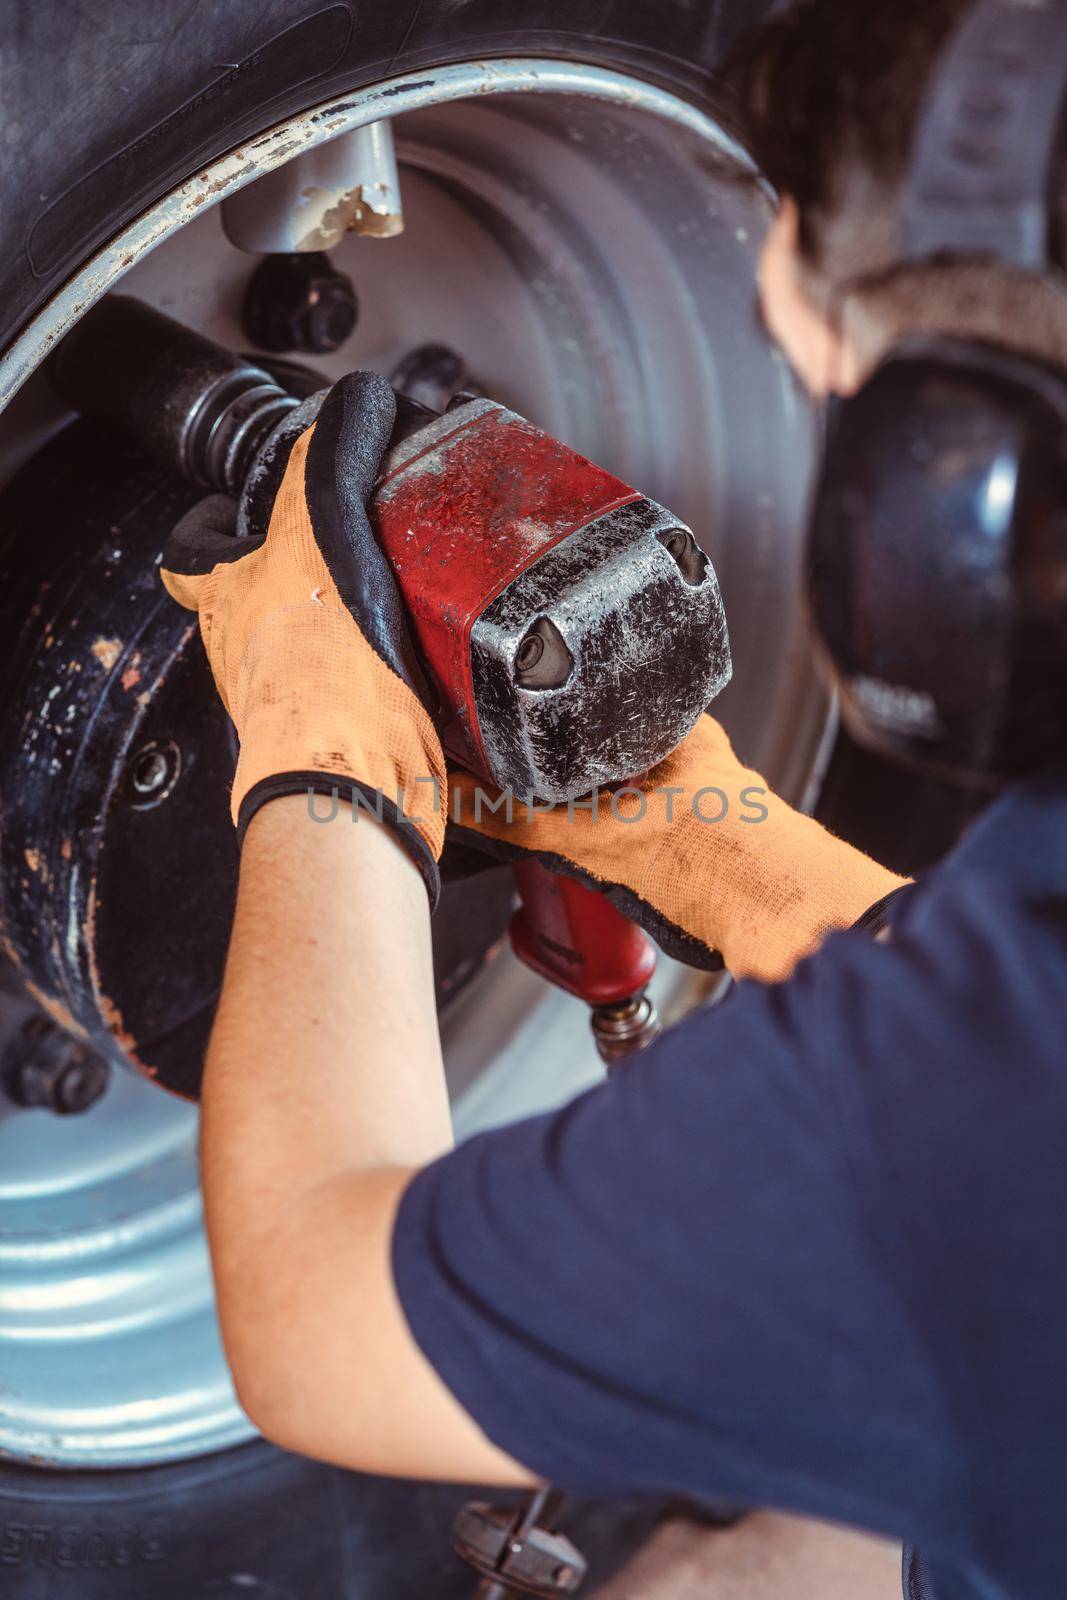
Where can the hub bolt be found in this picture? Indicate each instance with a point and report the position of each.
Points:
(44, 1067)
(299, 302)
(154, 772)
(434, 376)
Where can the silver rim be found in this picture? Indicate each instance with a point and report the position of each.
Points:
(589, 256)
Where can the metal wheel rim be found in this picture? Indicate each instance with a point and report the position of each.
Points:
(106, 1315)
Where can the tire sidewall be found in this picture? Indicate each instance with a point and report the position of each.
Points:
(89, 161)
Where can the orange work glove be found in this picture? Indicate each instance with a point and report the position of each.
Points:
(702, 855)
(307, 636)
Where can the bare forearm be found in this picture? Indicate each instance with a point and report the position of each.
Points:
(325, 1048)
(323, 1083)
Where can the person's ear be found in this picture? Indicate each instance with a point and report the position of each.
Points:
(803, 329)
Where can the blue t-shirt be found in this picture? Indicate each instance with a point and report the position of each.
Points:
(810, 1252)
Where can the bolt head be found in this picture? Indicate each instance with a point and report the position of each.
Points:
(80, 1084)
(46, 1068)
(153, 772)
(625, 1030)
(299, 303)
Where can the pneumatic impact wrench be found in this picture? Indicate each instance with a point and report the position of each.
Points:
(573, 629)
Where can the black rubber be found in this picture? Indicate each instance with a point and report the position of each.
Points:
(256, 1523)
(105, 109)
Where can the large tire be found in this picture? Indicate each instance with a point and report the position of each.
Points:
(105, 110)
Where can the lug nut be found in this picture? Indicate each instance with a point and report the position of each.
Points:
(433, 375)
(154, 772)
(47, 1069)
(299, 302)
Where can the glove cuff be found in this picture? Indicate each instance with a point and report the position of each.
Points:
(361, 797)
(876, 920)
(317, 711)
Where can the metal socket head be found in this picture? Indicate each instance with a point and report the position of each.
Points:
(626, 648)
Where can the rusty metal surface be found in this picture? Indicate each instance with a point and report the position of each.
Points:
(349, 185)
(118, 861)
(651, 653)
(97, 667)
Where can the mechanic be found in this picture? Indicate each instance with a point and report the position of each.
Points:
(808, 1252)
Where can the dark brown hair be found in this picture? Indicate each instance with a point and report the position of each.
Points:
(831, 85)
(827, 97)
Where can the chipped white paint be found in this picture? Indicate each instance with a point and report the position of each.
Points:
(349, 184)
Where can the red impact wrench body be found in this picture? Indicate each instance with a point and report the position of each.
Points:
(575, 633)
(576, 939)
(571, 629)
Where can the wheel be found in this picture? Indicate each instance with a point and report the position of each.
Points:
(583, 232)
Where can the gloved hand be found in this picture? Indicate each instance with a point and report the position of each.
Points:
(307, 636)
(762, 885)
